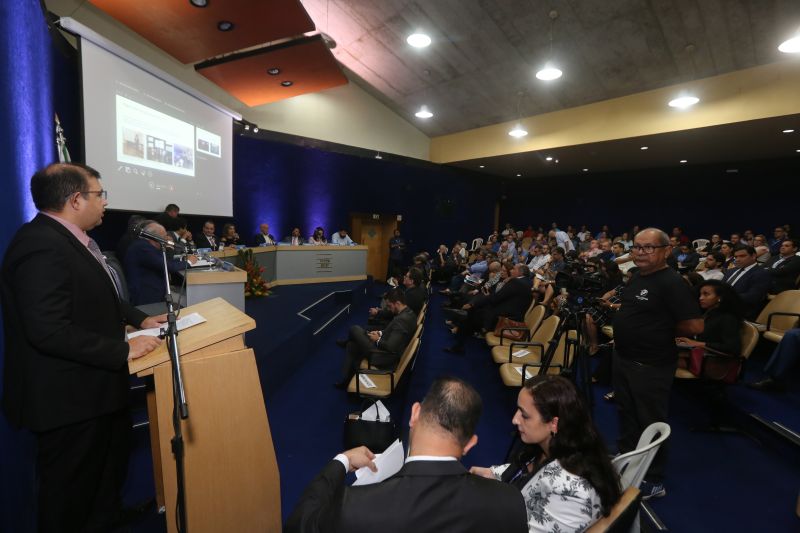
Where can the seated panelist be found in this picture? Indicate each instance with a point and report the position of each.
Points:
(207, 239)
(229, 236)
(295, 239)
(264, 237)
(341, 238)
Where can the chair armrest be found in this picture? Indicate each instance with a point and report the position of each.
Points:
(779, 313)
(524, 344)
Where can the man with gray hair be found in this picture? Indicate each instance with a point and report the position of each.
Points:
(144, 267)
(657, 306)
(432, 492)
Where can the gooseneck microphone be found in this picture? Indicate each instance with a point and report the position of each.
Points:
(140, 232)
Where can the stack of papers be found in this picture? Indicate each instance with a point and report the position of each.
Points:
(183, 323)
(201, 263)
(389, 463)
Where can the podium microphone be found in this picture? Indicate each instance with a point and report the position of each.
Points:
(144, 234)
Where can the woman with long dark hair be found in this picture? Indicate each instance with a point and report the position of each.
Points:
(563, 471)
(723, 314)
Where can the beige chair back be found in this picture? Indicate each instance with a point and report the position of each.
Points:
(749, 335)
(546, 331)
(785, 302)
(622, 516)
(533, 318)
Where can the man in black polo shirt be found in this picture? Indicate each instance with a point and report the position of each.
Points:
(657, 306)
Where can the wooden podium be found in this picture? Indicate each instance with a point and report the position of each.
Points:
(232, 481)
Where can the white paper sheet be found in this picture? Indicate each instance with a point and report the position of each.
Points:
(183, 323)
(366, 382)
(520, 353)
(519, 371)
(388, 463)
(370, 413)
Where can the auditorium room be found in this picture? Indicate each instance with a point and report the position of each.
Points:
(400, 265)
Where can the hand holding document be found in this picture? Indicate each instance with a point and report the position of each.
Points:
(388, 464)
(183, 323)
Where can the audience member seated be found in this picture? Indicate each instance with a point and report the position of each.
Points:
(473, 287)
(783, 358)
(414, 293)
(264, 237)
(295, 239)
(712, 266)
(735, 240)
(727, 253)
(431, 492)
(144, 267)
(713, 245)
(784, 267)
(543, 284)
(687, 258)
(478, 267)
(318, 237)
(778, 236)
(341, 238)
(439, 269)
(562, 469)
(537, 259)
(677, 232)
(723, 312)
(762, 250)
(207, 239)
(382, 348)
(750, 281)
(625, 239)
(172, 211)
(562, 239)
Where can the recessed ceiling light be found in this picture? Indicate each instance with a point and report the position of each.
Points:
(423, 112)
(683, 161)
(287, 83)
(518, 131)
(378, 156)
(481, 166)
(683, 102)
(586, 170)
(644, 148)
(199, 3)
(798, 150)
(519, 175)
(274, 71)
(549, 73)
(791, 46)
(549, 158)
(418, 40)
(255, 129)
(247, 127)
(788, 131)
(224, 25)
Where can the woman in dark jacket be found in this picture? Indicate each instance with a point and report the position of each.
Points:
(723, 318)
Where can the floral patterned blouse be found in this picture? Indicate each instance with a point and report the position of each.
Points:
(557, 501)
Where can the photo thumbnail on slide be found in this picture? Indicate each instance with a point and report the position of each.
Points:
(209, 143)
(152, 139)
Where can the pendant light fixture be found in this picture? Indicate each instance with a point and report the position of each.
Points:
(550, 71)
(518, 131)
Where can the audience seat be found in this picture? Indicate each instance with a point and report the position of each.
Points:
(477, 242)
(536, 345)
(699, 244)
(779, 315)
(717, 367)
(533, 317)
(515, 374)
(632, 466)
(386, 381)
(623, 516)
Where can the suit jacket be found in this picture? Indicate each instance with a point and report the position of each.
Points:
(752, 287)
(65, 349)
(415, 299)
(512, 300)
(144, 271)
(784, 276)
(259, 239)
(423, 497)
(201, 241)
(398, 333)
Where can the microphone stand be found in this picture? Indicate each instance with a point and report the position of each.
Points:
(180, 410)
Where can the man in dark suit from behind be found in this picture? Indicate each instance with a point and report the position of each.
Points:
(66, 354)
(750, 281)
(384, 347)
(144, 267)
(784, 267)
(432, 492)
(415, 295)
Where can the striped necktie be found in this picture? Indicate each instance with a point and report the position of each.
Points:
(95, 250)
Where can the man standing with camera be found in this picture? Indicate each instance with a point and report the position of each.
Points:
(657, 306)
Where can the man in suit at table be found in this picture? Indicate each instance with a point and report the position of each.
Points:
(66, 374)
(749, 280)
(784, 267)
(264, 237)
(383, 348)
(207, 239)
(432, 492)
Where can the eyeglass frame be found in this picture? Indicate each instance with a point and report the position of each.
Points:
(643, 249)
(102, 193)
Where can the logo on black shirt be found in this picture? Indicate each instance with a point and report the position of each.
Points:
(642, 296)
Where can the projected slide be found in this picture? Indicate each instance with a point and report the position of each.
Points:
(154, 140)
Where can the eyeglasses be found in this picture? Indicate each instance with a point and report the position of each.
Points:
(647, 248)
(102, 193)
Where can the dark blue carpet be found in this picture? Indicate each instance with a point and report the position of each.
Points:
(714, 482)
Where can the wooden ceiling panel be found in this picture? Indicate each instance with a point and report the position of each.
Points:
(306, 62)
(190, 34)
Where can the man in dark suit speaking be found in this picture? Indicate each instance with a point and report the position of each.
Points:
(433, 492)
(66, 353)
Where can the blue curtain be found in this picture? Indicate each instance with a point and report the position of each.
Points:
(26, 115)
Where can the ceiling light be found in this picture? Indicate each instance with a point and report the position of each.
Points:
(549, 72)
(224, 25)
(287, 83)
(518, 131)
(586, 170)
(798, 150)
(788, 131)
(418, 40)
(423, 112)
(378, 156)
(481, 166)
(199, 3)
(274, 71)
(791, 46)
(247, 127)
(519, 175)
(683, 102)
(644, 148)
(255, 129)
(683, 161)
(549, 158)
